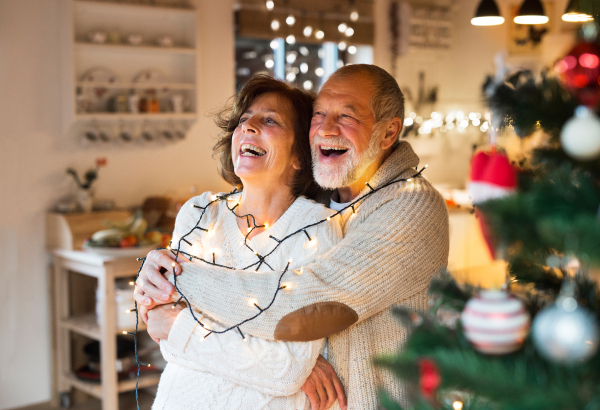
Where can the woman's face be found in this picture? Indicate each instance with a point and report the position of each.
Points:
(262, 143)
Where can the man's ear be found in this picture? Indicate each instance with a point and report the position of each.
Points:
(394, 128)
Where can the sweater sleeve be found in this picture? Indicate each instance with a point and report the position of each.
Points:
(388, 255)
(271, 367)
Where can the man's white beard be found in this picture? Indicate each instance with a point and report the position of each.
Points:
(331, 176)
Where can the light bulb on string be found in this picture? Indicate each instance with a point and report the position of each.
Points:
(342, 45)
(342, 27)
(349, 32)
(354, 15)
(319, 34)
(270, 5)
(291, 39)
(307, 31)
(290, 20)
(352, 50)
(275, 25)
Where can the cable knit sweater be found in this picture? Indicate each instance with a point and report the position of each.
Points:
(392, 247)
(227, 372)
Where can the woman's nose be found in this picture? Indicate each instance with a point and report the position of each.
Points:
(249, 127)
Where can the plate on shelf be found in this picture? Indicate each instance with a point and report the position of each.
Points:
(128, 252)
(98, 96)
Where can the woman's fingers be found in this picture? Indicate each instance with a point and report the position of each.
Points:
(152, 282)
(141, 298)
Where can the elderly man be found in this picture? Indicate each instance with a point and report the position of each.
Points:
(394, 243)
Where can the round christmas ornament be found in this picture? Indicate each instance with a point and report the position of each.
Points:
(565, 332)
(495, 322)
(429, 379)
(492, 176)
(581, 72)
(580, 136)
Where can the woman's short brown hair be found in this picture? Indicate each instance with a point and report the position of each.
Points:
(301, 104)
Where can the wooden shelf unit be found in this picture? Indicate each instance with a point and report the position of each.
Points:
(178, 63)
(106, 270)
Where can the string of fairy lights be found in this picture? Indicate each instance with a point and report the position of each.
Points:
(261, 259)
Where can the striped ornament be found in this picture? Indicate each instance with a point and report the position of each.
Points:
(495, 322)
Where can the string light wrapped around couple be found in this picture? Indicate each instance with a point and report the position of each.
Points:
(261, 259)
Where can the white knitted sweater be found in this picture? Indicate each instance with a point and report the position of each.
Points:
(392, 247)
(223, 371)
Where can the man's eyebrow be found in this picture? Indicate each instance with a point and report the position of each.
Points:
(352, 108)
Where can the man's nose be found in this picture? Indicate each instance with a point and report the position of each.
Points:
(329, 127)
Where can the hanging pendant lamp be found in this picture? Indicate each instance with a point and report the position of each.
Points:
(573, 13)
(487, 14)
(531, 12)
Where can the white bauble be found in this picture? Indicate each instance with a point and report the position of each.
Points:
(580, 137)
(495, 322)
(565, 332)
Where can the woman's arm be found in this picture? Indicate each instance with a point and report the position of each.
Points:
(274, 368)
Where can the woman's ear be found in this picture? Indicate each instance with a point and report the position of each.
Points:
(394, 127)
(296, 164)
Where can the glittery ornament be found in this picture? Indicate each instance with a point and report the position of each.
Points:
(565, 332)
(581, 72)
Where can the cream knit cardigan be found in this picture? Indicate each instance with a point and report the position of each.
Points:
(392, 247)
(224, 371)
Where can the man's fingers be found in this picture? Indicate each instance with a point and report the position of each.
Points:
(309, 389)
(341, 393)
(322, 395)
(330, 390)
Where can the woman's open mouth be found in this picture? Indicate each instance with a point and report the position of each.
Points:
(249, 150)
(332, 152)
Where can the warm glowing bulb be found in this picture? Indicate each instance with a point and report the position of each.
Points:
(307, 31)
(487, 21)
(270, 5)
(329, 218)
(128, 311)
(275, 25)
(577, 17)
(352, 49)
(124, 332)
(349, 32)
(291, 39)
(290, 260)
(531, 19)
(319, 34)
(290, 20)
(342, 45)
(256, 253)
(354, 16)
(252, 302)
(342, 27)
(131, 283)
(168, 248)
(408, 180)
(173, 264)
(457, 405)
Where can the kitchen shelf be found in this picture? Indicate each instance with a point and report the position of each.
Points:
(138, 85)
(86, 325)
(141, 48)
(95, 389)
(118, 116)
(118, 7)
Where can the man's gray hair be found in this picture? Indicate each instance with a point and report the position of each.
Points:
(387, 100)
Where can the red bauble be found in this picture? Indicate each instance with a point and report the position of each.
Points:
(581, 71)
(429, 379)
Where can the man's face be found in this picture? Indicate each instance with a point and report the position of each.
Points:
(342, 141)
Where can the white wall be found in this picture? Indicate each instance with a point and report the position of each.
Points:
(34, 155)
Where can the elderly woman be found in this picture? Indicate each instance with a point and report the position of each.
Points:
(264, 151)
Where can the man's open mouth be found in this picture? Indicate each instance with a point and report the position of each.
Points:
(249, 150)
(333, 151)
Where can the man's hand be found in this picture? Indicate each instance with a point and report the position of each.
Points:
(161, 319)
(323, 387)
(152, 288)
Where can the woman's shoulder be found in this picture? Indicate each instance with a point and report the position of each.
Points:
(207, 202)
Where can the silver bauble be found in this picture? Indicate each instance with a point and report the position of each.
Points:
(580, 136)
(565, 332)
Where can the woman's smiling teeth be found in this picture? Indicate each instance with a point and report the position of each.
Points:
(249, 150)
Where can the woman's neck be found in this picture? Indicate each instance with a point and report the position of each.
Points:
(265, 204)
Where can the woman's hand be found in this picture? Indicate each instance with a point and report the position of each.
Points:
(161, 319)
(323, 387)
(152, 288)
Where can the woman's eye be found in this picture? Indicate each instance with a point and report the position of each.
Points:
(243, 120)
(270, 121)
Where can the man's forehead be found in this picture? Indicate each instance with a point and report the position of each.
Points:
(354, 93)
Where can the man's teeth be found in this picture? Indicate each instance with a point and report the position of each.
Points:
(249, 150)
(335, 148)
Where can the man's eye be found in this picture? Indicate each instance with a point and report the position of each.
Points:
(347, 116)
(317, 113)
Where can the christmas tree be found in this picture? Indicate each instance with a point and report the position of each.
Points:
(534, 343)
